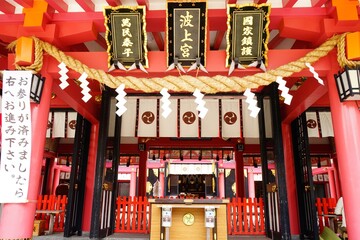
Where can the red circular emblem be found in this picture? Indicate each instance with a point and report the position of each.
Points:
(72, 124)
(189, 117)
(311, 123)
(230, 118)
(148, 117)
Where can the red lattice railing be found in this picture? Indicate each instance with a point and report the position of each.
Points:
(132, 215)
(246, 216)
(325, 207)
(52, 202)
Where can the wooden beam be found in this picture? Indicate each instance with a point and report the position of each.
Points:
(101, 41)
(288, 3)
(275, 41)
(6, 7)
(143, 2)
(77, 32)
(260, 1)
(87, 5)
(114, 3)
(303, 98)
(58, 5)
(218, 39)
(25, 3)
(232, 1)
(159, 40)
(318, 3)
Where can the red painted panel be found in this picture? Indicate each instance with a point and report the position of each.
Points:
(87, 5)
(218, 39)
(25, 3)
(114, 3)
(58, 5)
(143, 2)
(6, 7)
(159, 40)
(288, 3)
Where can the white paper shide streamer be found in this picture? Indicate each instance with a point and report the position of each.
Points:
(165, 103)
(201, 103)
(63, 76)
(250, 99)
(120, 98)
(85, 89)
(316, 75)
(284, 90)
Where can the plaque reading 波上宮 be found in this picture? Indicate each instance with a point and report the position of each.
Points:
(126, 35)
(248, 33)
(186, 32)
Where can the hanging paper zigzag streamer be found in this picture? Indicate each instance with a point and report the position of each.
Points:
(316, 75)
(284, 90)
(64, 76)
(201, 103)
(250, 99)
(85, 89)
(120, 100)
(165, 103)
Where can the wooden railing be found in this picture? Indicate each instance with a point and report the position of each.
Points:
(325, 207)
(52, 202)
(132, 215)
(246, 216)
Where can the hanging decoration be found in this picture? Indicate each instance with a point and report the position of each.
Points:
(197, 65)
(200, 103)
(206, 84)
(165, 103)
(235, 64)
(63, 76)
(316, 75)
(126, 37)
(248, 34)
(120, 98)
(186, 33)
(85, 89)
(176, 65)
(284, 90)
(250, 99)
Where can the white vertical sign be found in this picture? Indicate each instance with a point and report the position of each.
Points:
(16, 137)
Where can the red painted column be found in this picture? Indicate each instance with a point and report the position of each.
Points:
(332, 183)
(346, 119)
(251, 183)
(221, 182)
(142, 173)
(90, 176)
(239, 173)
(336, 179)
(12, 226)
(56, 180)
(290, 180)
(133, 182)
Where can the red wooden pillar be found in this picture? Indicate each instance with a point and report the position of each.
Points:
(90, 176)
(142, 174)
(290, 179)
(239, 173)
(17, 219)
(346, 119)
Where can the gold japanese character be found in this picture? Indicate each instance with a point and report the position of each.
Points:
(186, 20)
(125, 22)
(187, 36)
(246, 51)
(127, 52)
(127, 42)
(185, 49)
(248, 20)
(246, 41)
(126, 32)
(247, 31)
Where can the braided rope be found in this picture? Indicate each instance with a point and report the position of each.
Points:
(342, 60)
(186, 83)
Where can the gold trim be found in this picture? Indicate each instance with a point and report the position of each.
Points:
(266, 27)
(108, 31)
(205, 31)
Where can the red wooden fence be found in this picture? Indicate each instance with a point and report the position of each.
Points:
(325, 206)
(132, 215)
(246, 216)
(52, 202)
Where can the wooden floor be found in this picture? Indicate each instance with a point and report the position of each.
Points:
(125, 236)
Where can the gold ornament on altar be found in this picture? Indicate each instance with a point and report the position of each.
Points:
(188, 219)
